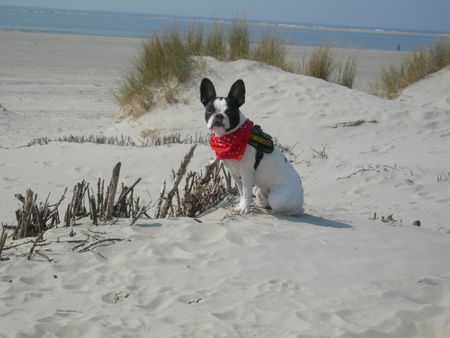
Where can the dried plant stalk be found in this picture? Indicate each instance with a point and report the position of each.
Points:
(2, 241)
(112, 192)
(178, 177)
(201, 191)
(33, 218)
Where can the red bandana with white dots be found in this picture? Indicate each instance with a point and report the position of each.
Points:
(232, 146)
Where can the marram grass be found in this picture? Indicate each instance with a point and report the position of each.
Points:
(416, 67)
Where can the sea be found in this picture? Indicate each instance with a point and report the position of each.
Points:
(63, 21)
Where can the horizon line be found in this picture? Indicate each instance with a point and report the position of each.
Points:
(254, 22)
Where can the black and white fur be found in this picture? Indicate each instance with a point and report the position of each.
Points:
(277, 184)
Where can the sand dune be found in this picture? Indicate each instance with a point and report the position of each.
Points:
(333, 272)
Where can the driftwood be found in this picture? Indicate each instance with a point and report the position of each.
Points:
(87, 248)
(352, 123)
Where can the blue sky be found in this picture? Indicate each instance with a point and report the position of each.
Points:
(422, 15)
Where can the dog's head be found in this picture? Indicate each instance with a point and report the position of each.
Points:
(222, 114)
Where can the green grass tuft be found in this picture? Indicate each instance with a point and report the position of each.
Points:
(271, 50)
(322, 63)
(239, 40)
(416, 67)
(347, 72)
(325, 63)
(161, 61)
(215, 45)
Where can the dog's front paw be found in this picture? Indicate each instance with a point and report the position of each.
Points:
(242, 208)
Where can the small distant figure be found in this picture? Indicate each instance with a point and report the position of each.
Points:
(398, 46)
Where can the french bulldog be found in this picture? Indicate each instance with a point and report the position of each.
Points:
(274, 181)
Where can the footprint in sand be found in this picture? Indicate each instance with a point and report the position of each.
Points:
(79, 170)
(190, 299)
(279, 286)
(115, 297)
(43, 164)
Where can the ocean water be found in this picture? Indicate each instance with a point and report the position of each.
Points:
(141, 25)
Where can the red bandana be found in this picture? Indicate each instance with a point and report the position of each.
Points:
(232, 146)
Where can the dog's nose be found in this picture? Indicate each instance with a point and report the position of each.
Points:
(219, 117)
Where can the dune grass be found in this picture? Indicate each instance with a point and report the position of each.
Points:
(195, 39)
(239, 40)
(166, 60)
(322, 63)
(270, 49)
(326, 64)
(347, 72)
(416, 67)
(215, 44)
(161, 60)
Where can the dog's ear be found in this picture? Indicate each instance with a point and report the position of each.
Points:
(207, 91)
(237, 92)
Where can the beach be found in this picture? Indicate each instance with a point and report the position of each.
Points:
(354, 265)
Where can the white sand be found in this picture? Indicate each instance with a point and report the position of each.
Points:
(330, 273)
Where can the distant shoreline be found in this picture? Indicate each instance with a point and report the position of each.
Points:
(264, 23)
(116, 24)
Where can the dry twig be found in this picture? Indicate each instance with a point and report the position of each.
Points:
(201, 192)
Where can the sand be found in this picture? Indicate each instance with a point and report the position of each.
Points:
(333, 272)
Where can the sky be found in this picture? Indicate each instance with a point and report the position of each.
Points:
(420, 15)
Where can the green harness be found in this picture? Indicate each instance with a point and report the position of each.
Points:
(262, 142)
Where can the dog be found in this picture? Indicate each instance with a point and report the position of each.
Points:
(269, 176)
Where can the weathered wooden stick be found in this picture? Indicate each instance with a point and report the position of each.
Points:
(2, 240)
(179, 175)
(25, 221)
(20, 198)
(112, 191)
(44, 255)
(126, 192)
(141, 212)
(38, 238)
(160, 200)
(100, 188)
(54, 214)
(93, 210)
(16, 245)
(209, 169)
(38, 218)
(100, 241)
(68, 216)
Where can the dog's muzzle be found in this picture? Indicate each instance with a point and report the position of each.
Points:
(218, 121)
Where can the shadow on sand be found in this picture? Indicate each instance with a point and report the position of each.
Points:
(316, 220)
(148, 225)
